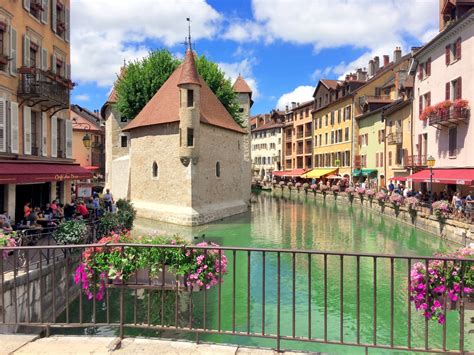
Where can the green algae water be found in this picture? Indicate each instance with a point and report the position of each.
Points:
(297, 222)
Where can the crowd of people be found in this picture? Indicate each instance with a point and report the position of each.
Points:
(53, 213)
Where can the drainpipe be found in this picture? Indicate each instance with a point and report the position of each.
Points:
(384, 119)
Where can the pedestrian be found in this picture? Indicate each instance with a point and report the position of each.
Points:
(108, 200)
(81, 209)
(391, 186)
(54, 207)
(457, 204)
(26, 210)
(5, 225)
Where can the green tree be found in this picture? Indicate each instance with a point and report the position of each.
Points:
(143, 78)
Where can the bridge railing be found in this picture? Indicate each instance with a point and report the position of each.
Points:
(285, 295)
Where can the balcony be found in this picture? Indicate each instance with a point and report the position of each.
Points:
(299, 150)
(395, 138)
(414, 160)
(39, 86)
(451, 117)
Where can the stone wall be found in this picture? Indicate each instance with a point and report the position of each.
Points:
(455, 231)
(36, 289)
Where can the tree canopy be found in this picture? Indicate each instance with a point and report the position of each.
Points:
(143, 78)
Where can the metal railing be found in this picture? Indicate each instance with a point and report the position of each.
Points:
(414, 160)
(395, 138)
(450, 116)
(353, 299)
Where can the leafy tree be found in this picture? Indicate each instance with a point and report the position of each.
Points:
(143, 78)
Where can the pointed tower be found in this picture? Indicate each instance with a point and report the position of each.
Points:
(189, 110)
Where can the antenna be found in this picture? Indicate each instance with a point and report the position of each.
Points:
(189, 33)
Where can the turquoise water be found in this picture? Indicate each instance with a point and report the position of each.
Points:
(298, 222)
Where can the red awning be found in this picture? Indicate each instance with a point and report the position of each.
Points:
(92, 167)
(26, 172)
(445, 176)
(292, 173)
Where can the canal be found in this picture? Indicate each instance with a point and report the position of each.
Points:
(300, 222)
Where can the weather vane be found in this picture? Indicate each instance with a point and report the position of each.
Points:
(189, 33)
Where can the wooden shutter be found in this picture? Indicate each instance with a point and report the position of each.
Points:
(420, 71)
(376, 160)
(67, 24)
(26, 5)
(359, 140)
(44, 58)
(68, 139)
(53, 63)
(447, 94)
(14, 146)
(428, 67)
(447, 52)
(381, 159)
(54, 136)
(389, 158)
(26, 51)
(27, 129)
(13, 62)
(458, 48)
(44, 13)
(54, 16)
(44, 134)
(366, 139)
(458, 88)
(420, 106)
(3, 125)
(428, 99)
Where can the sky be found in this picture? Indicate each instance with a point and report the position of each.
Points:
(281, 47)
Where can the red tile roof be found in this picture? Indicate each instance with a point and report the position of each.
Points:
(164, 106)
(189, 73)
(241, 86)
(268, 125)
(330, 84)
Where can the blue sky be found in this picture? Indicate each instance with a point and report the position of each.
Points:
(281, 47)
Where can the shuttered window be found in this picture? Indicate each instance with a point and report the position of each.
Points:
(458, 91)
(54, 136)
(27, 130)
(3, 125)
(447, 54)
(447, 94)
(68, 139)
(453, 136)
(420, 106)
(13, 61)
(14, 145)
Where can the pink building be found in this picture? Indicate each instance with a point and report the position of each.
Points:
(444, 95)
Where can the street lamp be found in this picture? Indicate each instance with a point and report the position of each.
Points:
(86, 140)
(431, 162)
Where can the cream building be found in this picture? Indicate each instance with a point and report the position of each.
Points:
(183, 158)
(267, 146)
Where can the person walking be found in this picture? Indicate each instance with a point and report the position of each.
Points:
(108, 200)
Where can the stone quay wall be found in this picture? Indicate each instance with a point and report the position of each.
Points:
(33, 294)
(452, 230)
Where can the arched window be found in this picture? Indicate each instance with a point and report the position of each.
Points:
(155, 170)
(218, 169)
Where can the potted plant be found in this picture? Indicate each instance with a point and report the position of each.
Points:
(350, 194)
(314, 188)
(324, 190)
(370, 195)
(397, 201)
(431, 289)
(335, 190)
(381, 197)
(298, 186)
(290, 185)
(441, 210)
(305, 188)
(71, 232)
(282, 184)
(361, 191)
(412, 203)
(7, 240)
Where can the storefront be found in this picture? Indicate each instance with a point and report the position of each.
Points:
(38, 183)
(443, 180)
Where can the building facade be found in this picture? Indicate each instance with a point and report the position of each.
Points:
(267, 145)
(36, 159)
(88, 137)
(444, 93)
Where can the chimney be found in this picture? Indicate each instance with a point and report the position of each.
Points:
(397, 54)
(361, 75)
(286, 108)
(293, 105)
(347, 77)
(371, 68)
(376, 64)
(386, 60)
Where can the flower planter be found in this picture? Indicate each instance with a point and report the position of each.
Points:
(143, 277)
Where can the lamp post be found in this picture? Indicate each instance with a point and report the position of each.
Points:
(86, 140)
(431, 162)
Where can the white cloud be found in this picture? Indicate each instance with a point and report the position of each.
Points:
(300, 94)
(81, 97)
(106, 32)
(244, 68)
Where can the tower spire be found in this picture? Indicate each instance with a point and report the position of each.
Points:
(190, 44)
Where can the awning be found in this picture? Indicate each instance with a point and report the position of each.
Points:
(27, 172)
(316, 173)
(334, 176)
(363, 172)
(92, 167)
(292, 173)
(445, 176)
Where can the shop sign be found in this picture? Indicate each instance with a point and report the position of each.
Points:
(62, 177)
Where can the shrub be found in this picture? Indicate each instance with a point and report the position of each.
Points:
(71, 232)
(7, 241)
(441, 209)
(381, 197)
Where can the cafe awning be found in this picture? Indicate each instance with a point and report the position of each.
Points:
(363, 172)
(316, 173)
(27, 172)
(289, 173)
(445, 176)
(92, 167)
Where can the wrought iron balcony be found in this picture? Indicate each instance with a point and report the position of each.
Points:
(414, 160)
(395, 138)
(450, 117)
(359, 162)
(41, 87)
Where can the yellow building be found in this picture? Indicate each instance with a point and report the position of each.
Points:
(332, 122)
(36, 163)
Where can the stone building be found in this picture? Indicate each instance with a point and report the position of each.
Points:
(183, 158)
(36, 153)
